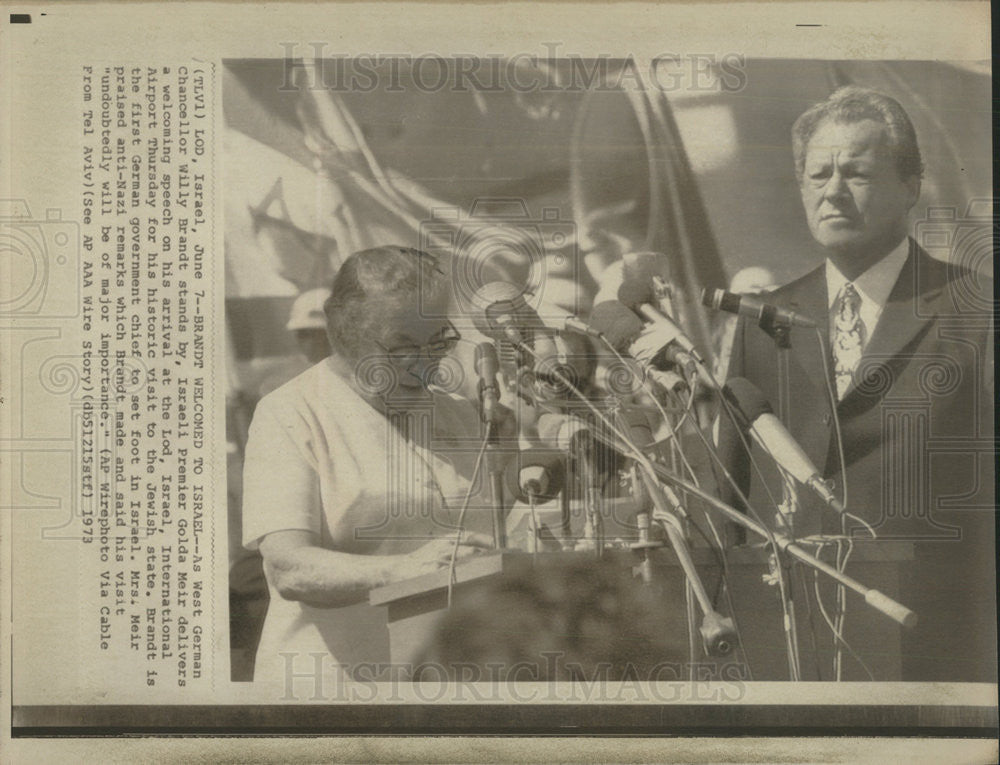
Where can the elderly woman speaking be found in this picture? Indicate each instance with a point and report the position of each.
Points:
(357, 470)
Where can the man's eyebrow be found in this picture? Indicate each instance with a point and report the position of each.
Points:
(858, 160)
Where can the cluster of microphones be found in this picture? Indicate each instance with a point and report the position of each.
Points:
(634, 317)
(631, 315)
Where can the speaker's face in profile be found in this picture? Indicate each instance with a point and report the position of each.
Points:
(855, 200)
(415, 338)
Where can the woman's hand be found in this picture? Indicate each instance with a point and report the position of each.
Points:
(437, 553)
(302, 570)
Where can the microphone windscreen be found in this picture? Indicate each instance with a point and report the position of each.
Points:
(642, 267)
(617, 323)
(545, 466)
(747, 399)
(635, 292)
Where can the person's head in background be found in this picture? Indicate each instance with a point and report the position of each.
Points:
(577, 620)
(389, 305)
(752, 280)
(308, 323)
(859, 169)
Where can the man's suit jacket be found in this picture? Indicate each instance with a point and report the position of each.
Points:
(917, 433)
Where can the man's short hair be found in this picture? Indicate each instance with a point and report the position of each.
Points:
(369, 283)
(854, 104)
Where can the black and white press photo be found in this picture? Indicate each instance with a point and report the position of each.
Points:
(498, 382)
(574, 369)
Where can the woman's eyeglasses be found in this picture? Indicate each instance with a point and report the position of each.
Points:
(441, 343)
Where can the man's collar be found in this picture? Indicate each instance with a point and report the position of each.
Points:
(876, 283)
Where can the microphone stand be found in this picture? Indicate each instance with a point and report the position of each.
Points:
(784, 521)
(592, 489)
(779, 329)
(876, 599)
(675, 454)
(718, 632)
(495, 468)
(495, 465)
(645, 544)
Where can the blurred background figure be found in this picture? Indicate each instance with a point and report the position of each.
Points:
(307, 322)
(752, 280)
(574, 620)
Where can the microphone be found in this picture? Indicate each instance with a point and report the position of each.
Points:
(561, 320)
(562, 431)
(651, 268)
(622, 329)
(568, 433)
(487, 364)
(619, 325)
(639, 296)
(746, 305)
(506, 315)
(554, 371)
(504, 312)
(754, 413)
(536, 472)
(643, 266)
(648, 269)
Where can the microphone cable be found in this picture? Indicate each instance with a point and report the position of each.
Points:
(534, 528)
(465, 507)
(837, 629)
(648, 386)
(839, 438)
(841, 563)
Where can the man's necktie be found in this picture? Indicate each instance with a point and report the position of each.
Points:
(849, 335)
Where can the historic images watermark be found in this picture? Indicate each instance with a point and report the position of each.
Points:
(550, 678)
(554, 71)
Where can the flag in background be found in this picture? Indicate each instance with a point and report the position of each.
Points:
(700, 171)
(539, 188)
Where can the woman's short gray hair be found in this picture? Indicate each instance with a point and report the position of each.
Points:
(853, 103)
(370, 283)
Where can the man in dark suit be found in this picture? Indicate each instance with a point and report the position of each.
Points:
(907, 355)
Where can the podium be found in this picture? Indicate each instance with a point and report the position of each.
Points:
(413, 607)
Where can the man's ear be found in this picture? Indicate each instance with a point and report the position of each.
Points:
(913, 189)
